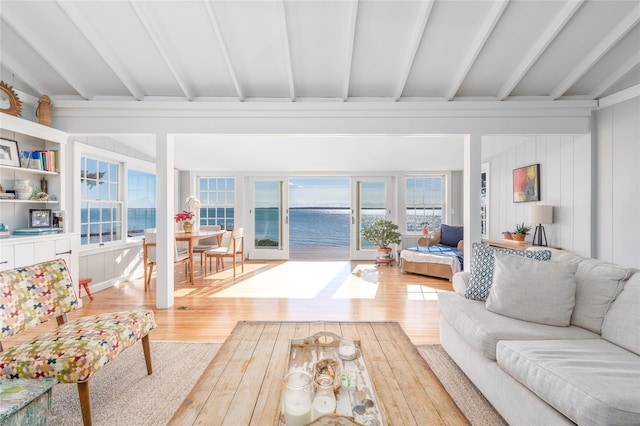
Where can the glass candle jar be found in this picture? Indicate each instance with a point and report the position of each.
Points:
(297, 398)
(325, 400)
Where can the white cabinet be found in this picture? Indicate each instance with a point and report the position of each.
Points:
(6, 257)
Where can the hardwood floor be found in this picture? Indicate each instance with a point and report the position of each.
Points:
(278, 291)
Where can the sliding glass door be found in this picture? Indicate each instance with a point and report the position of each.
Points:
(270, 219)
(370, 201)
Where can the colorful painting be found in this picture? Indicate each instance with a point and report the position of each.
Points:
(526, 184)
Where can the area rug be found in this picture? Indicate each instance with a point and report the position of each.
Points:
(123, 394)
(467, 397)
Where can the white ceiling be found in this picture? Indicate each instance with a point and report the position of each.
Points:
(338, 51)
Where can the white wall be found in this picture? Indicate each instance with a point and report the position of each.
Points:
(565, 182)
(617, 183)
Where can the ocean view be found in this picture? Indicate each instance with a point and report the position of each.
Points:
(308, 226)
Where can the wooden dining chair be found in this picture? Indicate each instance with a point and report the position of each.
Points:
(205, 244)
(149, 256)
(234, 248)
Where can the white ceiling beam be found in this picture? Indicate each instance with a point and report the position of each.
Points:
(549, 34)
(15, 67)
(496, 11)
(621, 96)
(78, 19)
(223, 48)
(287, 51)
(351, 34)
(423, 18)
(598, 52)
(64, 69)
(616, 75)
(144, 18)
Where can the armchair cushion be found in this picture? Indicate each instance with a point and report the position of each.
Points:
(72, 352)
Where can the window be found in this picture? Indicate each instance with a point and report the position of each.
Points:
(141, 202)
(101, 203)
(217, 196)
(424, 202)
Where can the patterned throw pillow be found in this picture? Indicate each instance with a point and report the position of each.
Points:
(482, 262)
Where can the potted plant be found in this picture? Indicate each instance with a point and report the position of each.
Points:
(521, 232)
(383, 233)
(506, 235)
(185, 218)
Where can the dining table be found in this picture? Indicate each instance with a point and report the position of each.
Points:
(193, 236)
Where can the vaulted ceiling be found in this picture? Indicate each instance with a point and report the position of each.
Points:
(340, 50)
(340, 53)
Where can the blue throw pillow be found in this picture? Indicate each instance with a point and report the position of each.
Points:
(451, 235)
(482, 263)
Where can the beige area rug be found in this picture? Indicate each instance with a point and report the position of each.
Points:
(468, 398)
(123, 394)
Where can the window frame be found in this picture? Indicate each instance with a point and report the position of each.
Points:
(444, 190)
(227, 225)
(125, 163)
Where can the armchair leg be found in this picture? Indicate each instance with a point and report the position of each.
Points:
(85, 402)
(147, 353)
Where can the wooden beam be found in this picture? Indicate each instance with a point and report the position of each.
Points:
(223, 48)
(479, 41)
(287, 51)
(539, 47)
(351, 33)
(75, 16)
(616, 75)
(423, 18)
(64, 69)
(597, 53)
(153, 33)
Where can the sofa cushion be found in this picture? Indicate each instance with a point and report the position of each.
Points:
(451, 235)
(592, 382)
(482, 263)
(598, 285)
(621, 325)
(483, 329)
(542, 292)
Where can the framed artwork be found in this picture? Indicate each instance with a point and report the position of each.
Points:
(526, 183)
(9, 154)
(40, 218)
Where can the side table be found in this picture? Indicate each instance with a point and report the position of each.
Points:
(25, 402)
(510, 244)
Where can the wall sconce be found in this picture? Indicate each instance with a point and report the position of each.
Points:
(542, 215)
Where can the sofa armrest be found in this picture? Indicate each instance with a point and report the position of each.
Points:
(460, 282)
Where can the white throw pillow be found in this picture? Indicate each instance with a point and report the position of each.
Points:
(525, 289)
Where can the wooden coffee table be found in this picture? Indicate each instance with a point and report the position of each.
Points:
(243, 383)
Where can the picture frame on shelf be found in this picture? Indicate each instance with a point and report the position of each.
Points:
(526, 183)
(40, 218)
(9, 153)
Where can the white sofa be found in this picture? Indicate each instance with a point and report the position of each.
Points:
(586, 372)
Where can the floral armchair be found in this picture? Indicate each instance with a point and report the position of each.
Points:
(73, 351)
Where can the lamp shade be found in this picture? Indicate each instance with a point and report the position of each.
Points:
(541, 214)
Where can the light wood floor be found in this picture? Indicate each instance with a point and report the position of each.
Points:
(278, 291)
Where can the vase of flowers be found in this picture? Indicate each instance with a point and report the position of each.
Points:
(185, 217)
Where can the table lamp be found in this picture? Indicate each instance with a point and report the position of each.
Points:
(542, 215)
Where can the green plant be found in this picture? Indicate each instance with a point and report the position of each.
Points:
(382, 233)
(522, 229)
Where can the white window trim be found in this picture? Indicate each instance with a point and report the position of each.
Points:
(83, 150)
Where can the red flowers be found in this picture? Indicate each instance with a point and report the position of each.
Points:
(183, 216)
